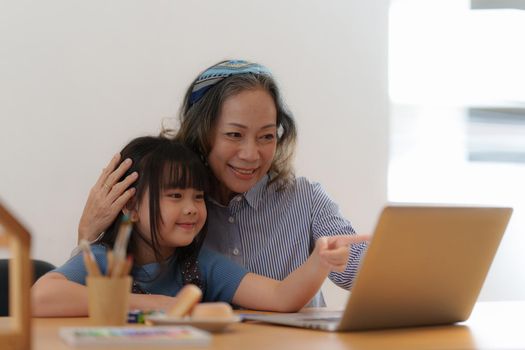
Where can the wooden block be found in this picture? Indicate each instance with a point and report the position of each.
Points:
(17, 334)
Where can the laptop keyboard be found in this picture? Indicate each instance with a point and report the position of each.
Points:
(321, 319)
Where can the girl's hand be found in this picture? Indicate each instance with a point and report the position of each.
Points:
(106, 199)
(333, 251)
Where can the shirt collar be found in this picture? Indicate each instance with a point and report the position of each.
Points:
(255, 194)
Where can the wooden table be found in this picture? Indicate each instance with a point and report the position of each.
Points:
(493, 325)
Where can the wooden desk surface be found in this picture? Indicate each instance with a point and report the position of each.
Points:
(493, 325)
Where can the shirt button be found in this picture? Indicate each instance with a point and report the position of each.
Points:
(231, 219)
(236, 251)
(238, 198)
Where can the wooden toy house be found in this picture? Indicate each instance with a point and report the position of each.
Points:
(15, 330)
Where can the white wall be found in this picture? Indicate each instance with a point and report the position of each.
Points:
(78, 79)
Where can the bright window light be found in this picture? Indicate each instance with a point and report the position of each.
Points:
(444, 52)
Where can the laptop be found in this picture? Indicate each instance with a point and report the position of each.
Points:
(425, 265)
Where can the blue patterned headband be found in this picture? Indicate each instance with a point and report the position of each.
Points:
(215, 74)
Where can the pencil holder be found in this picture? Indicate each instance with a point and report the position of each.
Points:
(108, 300)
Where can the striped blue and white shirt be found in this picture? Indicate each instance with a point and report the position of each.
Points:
(272, 232)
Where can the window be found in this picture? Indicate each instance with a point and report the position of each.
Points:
(457, 87)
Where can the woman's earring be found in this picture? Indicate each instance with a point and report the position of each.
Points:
(132, 213)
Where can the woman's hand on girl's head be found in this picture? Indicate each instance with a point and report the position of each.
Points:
(106, 199)
(333, 251)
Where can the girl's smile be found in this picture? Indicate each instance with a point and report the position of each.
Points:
(186, 225)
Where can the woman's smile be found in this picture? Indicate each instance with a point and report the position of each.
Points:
(244, 173)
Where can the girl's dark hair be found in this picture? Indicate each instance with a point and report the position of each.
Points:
(197, 120)
(161, 164)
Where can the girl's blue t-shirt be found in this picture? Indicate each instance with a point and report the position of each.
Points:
(220, 275)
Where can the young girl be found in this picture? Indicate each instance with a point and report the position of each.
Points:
(169, 225)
